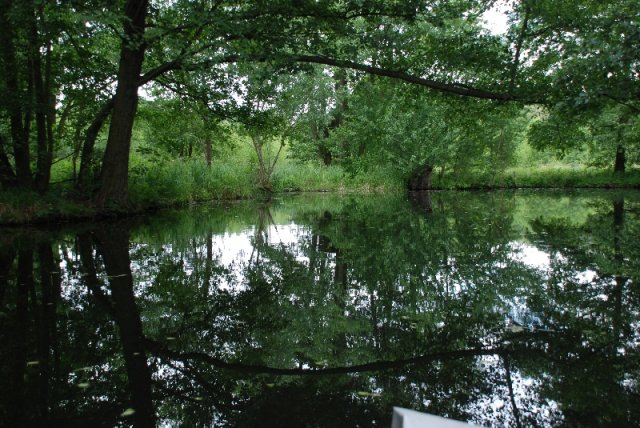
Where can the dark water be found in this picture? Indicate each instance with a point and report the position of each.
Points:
(501, 309)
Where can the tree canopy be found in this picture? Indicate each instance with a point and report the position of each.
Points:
(71, 68)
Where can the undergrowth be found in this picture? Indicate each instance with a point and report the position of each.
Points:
(181, 182)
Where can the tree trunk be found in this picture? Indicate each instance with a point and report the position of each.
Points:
(422, 201)
(421, 179)
(85, 174)
(264, 179)
(44, 155)
(114, 177)
(49, 276)
(618, 166)
(207, 149)
(617, 293)
(7, 176)
(19, 132)
(16, 347)
(114, 248)
(7, 255)
(51, 110)
(325, 154)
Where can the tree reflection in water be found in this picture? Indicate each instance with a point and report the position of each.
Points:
(328, 311)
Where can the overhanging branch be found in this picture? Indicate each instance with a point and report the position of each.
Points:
(406, 77)
(161, 350)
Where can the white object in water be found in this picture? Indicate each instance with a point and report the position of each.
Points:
(405, 418)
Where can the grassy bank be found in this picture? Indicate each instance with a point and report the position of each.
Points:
(540, 177)
(181, 182)
(25, 207)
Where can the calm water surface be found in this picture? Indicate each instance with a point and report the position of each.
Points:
(502, 309)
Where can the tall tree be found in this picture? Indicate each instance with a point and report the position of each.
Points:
(582, 61)
(17, 85)
(201, 37)
(114, 176)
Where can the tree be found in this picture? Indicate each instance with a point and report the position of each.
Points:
(176, 129)
(608, 132)
(114, 183)
(264, 121)
(556, 52)
(404, 128)
(27, 91)
(246, 33)
(583, 61)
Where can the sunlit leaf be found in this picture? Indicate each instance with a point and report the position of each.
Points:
(128, 412)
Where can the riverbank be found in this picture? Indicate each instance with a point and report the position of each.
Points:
(183, 185)
(540, 178)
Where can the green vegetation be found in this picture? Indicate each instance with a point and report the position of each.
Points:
(21, 207)
(550, 177)
(129, 105)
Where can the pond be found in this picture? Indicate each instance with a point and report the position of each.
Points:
(501, 309)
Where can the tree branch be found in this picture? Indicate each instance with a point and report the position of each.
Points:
(159, 349)
(401, 75)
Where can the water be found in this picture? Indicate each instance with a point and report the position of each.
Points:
(502, 309)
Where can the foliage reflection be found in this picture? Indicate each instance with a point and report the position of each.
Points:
(500, 309)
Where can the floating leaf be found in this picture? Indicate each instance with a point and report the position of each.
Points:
(128, 412)
(516, 329)
(198, 398)
(270, 385)
(33, 363)
(83, 385)
(117, 276)
(170, 338)
(364, 394)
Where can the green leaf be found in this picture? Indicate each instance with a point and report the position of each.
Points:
(128, 412)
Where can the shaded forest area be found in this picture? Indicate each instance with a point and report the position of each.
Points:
(95, 94)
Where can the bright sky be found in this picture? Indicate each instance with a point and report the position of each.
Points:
(496, 19)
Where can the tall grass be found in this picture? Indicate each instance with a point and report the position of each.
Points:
(313, 177)
(180, 181)
(183, 181)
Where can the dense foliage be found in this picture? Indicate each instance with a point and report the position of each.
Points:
(407, 87)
